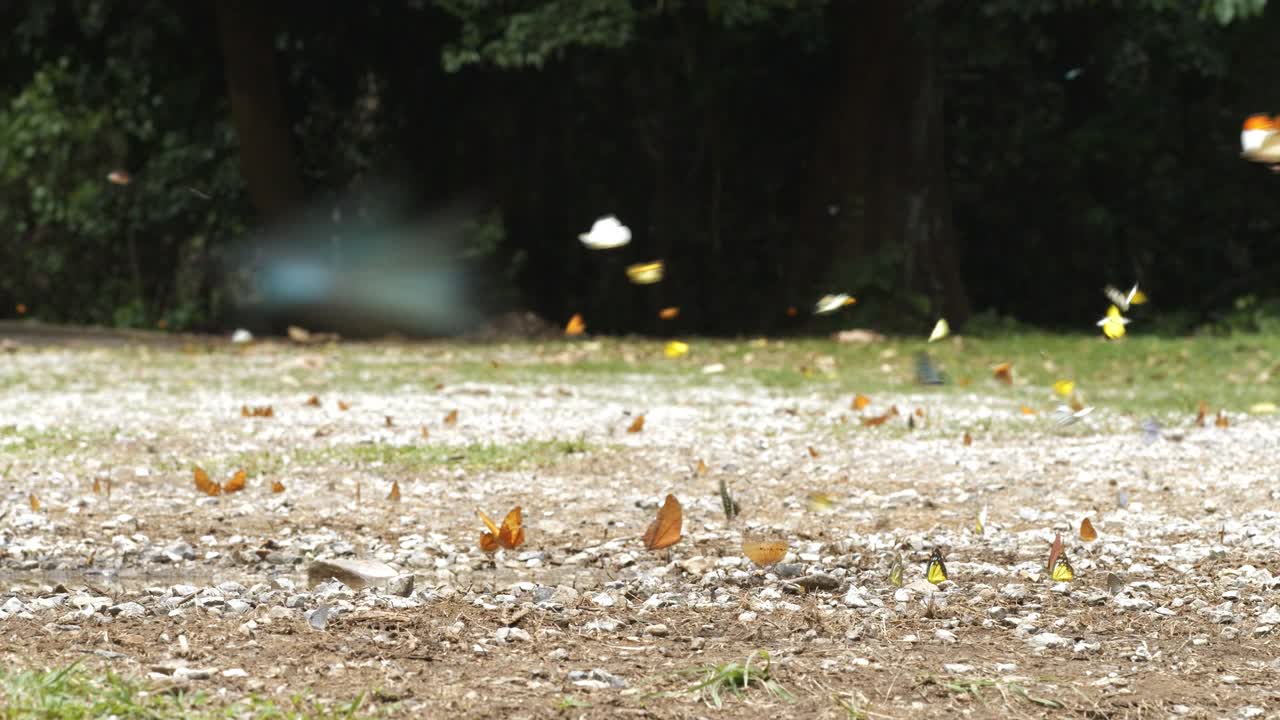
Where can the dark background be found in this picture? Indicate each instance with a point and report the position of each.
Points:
(993, 162)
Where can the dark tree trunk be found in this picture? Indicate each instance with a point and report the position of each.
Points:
(262, 126)
(882, 163)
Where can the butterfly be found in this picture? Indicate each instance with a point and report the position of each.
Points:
(926, 373)
(509, 536)
(209, 487)
(814, 453)
(1064, 388)
(606, 233)
(968, 439)
(119, 177)
(764, 551)
(1114, 583)
(636, 425)
(821, 502)
(1123, 300)
(314, 401)
(860, 401)
(1068, 417)
(1062, 571)
(881, 419)
(1054, 551)
(981, 524)
(1259, 141)
(1221, 420)
(1087, 533)
(730, 506)
(675, 349)
(575, 326)
(34, 501)
(936, 572)
(831, 303)
(394, 495)
(1113, 323)
(701, 469)
(1150, 430)
(645, 273)
(344, 406)
(1028, 410)
(262, 411)
(669, 313)
(940, 330)
(895, 571)
(1203, 411)
(1003, 372)
(277, 486)
(452, 417)
(664, 531)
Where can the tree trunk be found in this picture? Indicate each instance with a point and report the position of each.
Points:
(262, 126)
(882, 167)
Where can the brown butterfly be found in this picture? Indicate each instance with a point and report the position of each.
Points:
(814, 453)
(1221, 420)
(211, 488)
(344, 406)
(277, 486)
(390, 421)
(97, 487)
(636, 425)
(394, 495)
(425, 432)
(664, 531)
(701, 469)
(860, 401)
(669, 313)
(260, 411)
(968, 439)
(509, 536)
(452, 418)
(1203, 411)
(1054, 551)
(314, 401)
(35, 502)
(1087, 533)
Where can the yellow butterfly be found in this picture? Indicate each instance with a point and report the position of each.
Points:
(675, 349)
(895, 572)
(1064, 388)
(1113, 324)
(1062, 571)
(1134, 297)
(937, 571)
(981, 524)
(941, 330)
(645, 273)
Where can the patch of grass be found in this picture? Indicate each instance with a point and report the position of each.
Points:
(735, 678)
(77, 693)
(569, 702)
(975, 686)
(417, 458)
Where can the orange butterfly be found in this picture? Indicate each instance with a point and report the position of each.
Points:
(968, 439)
(1003, 372)
(664, 531)
(669, 313)
(35, 502)
(763, 551)
(1204, 410)
(262, 411)
(209, 487)
(1028, 410)
(451, 418)
(509, 536)
(575, 326)
(860, 401)
(277, 486)
(97, 487)
(1221, 421)
(314, 401)
(701, 469)
(1087, 533)
(394, 495)
(344, 406)
(814, 453)
(881, 419)
(636, 425)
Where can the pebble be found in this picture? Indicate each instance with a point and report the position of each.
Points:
(1047, 640)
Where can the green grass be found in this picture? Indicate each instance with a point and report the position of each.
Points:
(734, 679)
(419, 458)
(77, 693)
(977, 686)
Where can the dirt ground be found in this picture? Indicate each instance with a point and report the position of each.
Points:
(581, 620)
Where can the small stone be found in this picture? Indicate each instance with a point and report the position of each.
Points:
(401, 585)
(355, 574)
(237, 607)
(657, 630)
(957, 668)
(603, 599)
(1047, 640)
(234, 673)
(946, 637)
(318, 618)
(127, 610)
(747, 616)
(511, 634)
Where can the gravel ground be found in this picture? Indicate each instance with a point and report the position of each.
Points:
(1173, 610)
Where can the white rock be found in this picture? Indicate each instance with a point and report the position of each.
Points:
(946, 637)
(958, 668)
(603, 599)
(512, 634)
(747, 616)
(1047, 640)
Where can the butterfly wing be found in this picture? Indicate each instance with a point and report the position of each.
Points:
(1062, 571)
(511, 535)
(1087, 533)
(664, 531)
(204, 484)
(1054, 552)
(236, 483)
(488, 540)
(937, 571)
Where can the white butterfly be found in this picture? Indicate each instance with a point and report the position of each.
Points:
(831, 303)
(607, 233)
(1123, 301)
(1067, 416)
(940, 330)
